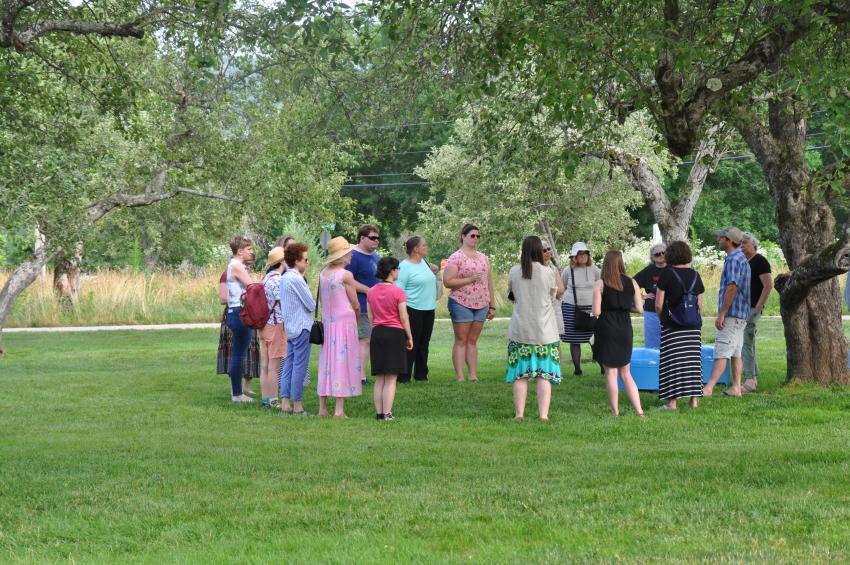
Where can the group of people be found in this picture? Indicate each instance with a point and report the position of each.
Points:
(355, 281)
(594, 307)
(579, 304)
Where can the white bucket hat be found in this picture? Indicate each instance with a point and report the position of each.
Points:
(578, 246)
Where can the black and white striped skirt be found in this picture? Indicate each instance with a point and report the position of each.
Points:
(680, 366)
(570, 334)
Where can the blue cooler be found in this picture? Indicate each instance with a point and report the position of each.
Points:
(708, 364)
(644, 368)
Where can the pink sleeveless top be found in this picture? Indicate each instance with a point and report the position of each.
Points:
(335, 304)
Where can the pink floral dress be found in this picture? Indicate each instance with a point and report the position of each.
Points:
(475, 295)
(339, 360)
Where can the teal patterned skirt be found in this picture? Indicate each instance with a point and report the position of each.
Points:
(531, 361)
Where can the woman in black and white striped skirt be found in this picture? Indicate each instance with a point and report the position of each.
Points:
(680, 367)
(579, 278)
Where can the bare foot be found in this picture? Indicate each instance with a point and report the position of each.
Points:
(732, 391)
(518, 417)
(544, 419)
(459, 379)
(341, 416)
(473, 379)
(323, 414)
(708, 391)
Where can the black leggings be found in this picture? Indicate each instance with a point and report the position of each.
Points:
(421, 326)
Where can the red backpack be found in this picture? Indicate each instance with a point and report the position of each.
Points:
(255, 309)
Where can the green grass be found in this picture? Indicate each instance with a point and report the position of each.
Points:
(122, 446)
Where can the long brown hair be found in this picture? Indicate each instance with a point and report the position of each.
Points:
(613, 270)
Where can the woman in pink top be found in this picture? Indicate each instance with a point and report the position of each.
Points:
(471, 300)
(391, 337)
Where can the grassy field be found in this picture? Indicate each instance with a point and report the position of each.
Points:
(122, 447)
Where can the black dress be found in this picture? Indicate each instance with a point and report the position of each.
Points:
(613, 342)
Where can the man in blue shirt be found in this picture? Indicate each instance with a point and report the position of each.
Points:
(733, 310)
(364, 261)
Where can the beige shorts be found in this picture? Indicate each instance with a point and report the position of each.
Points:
(730, 340)
(274, 340)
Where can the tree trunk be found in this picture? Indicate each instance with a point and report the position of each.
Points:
(810, 301)
(18, 281)
(672, 220)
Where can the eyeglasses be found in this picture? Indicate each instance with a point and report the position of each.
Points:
(659, 254)
(374, 237)
(475, 235)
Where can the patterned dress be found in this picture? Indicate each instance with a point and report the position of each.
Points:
(339, 360)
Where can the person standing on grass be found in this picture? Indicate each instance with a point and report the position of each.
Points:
(298, 307)
(237, 279)
(680, 367)
(471, 301)
(733, 310)
(273, 335)
(614, 296)
(533, 332)
(579, 279)
(549, 261)
(339, 360)
(391, 336)
(251, 364)
(417, 279)
(364, 261)
(760, 285)
(648, 279)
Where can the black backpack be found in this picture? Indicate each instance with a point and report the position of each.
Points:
(685, 314)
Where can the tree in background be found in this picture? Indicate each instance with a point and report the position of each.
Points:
(511, 189)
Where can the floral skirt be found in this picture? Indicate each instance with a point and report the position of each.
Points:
(529, 361)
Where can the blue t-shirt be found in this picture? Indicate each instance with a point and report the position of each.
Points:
(363, 268)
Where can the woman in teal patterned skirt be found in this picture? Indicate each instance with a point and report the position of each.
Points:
(533, 331)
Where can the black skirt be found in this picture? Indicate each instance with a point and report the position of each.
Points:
(388, 351)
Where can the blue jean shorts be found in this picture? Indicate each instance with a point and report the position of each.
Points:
(461, 314)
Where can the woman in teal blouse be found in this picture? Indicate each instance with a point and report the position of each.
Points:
(418, 280)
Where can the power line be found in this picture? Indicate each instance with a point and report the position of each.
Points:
(751, 156)
(381, 185)
(357, 176)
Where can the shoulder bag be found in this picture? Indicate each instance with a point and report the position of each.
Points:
(317, 332)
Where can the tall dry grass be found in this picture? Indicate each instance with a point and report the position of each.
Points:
(119, 297)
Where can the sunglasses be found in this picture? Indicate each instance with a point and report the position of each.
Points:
(475, 235)
(583, 253)
(546, 250)
(659, 254)
(374, 237)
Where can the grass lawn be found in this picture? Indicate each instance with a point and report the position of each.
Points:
(123, 446)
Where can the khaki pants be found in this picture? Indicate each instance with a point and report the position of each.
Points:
(751, 366)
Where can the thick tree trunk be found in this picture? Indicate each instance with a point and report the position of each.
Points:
(810, 301)
(18, 281)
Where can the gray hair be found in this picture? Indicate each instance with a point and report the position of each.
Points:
(655, 248)
(751, 238)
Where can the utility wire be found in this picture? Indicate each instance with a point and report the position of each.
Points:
(751, 156)
(380, 185)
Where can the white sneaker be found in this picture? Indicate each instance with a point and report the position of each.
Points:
(241, 398)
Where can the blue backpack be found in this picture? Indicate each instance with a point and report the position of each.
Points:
(685, 314)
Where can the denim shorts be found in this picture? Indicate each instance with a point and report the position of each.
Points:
(461, 314)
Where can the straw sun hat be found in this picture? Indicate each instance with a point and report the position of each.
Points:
(338, 248)
(275, 256)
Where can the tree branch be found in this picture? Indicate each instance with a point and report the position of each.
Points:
(98, 210)
(107, 29)
(705, 162)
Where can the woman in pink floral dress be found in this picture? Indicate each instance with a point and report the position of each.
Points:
(339, 360)
(471, 300)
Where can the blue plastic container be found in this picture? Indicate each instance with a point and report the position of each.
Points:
(708, 364)
(644, 368)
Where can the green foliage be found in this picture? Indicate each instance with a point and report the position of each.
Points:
(513, 190)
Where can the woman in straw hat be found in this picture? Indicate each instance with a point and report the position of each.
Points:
(273, 335)
(339, 361)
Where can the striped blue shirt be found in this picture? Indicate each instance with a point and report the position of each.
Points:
(736, 270)
(296, 302)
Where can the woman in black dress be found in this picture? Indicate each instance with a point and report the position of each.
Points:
(614, 297)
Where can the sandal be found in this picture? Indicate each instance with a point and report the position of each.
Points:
(389, 416)
(749, 386)
(286, 411)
